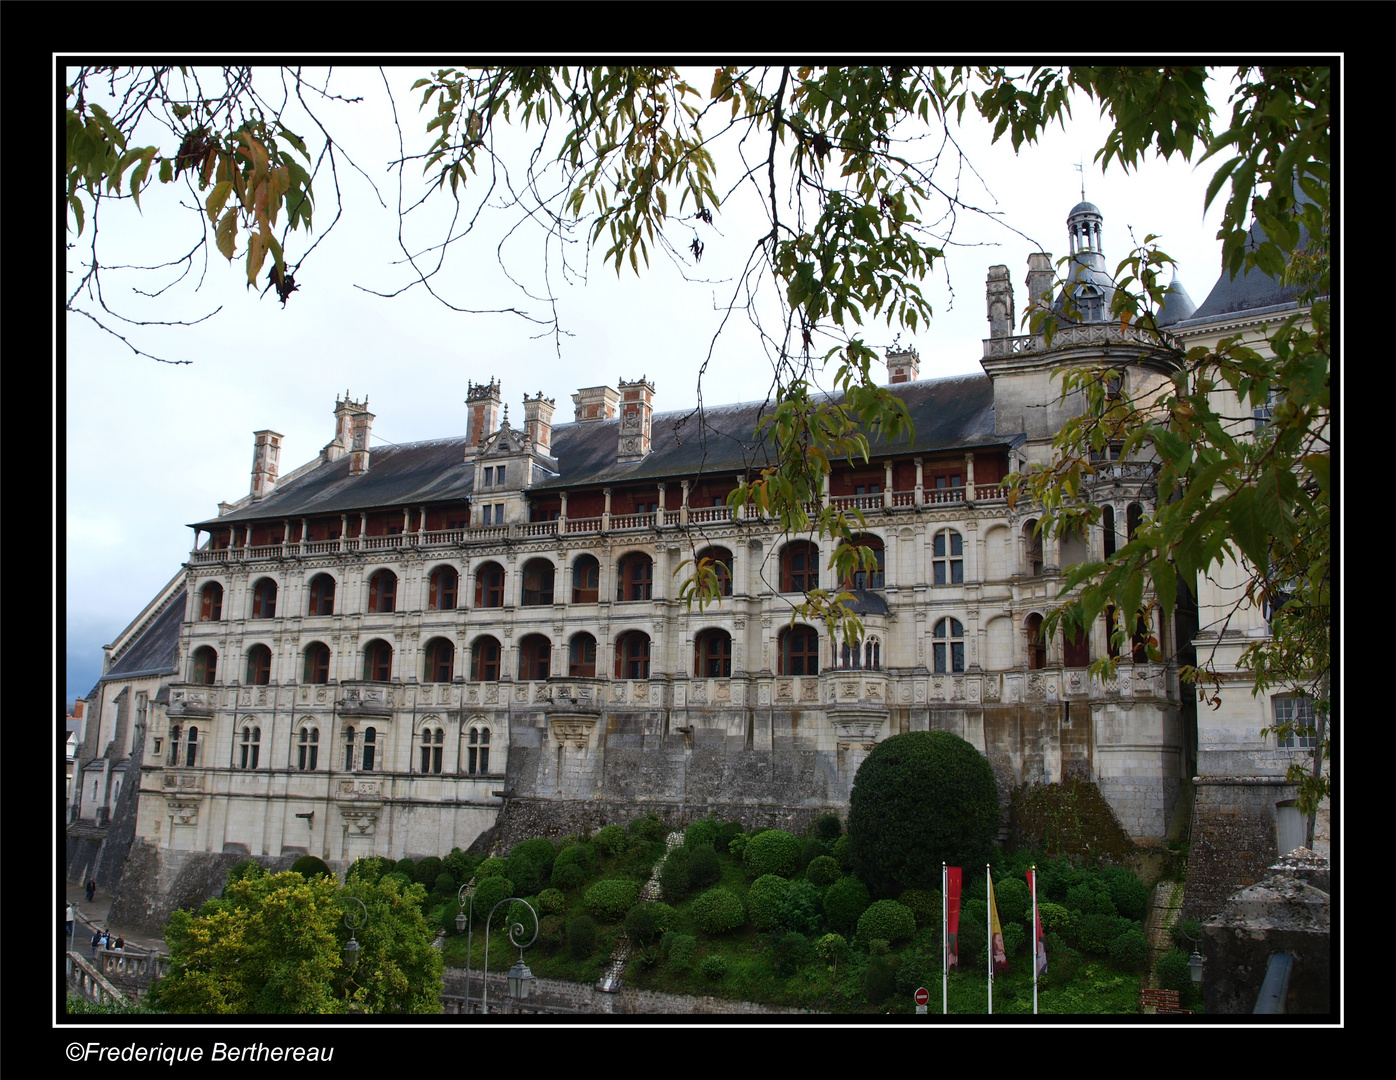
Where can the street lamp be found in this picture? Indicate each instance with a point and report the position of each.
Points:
(520, 978)
(1195, 960)
(353, 922)
(467, 923)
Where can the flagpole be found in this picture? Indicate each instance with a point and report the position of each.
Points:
(944, 940)
(989, 935)
(1034, 940)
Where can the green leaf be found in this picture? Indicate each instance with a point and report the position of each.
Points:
(226, 233)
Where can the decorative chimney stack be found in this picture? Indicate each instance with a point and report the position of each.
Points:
(999, 295)
(538, 422)
(636, 408)
(903, 365)
(266, 457)
(360, 425)
(1040, 279)
(482, 413)
(595, 403)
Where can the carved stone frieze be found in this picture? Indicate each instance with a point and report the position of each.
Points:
(182, 811)
(359, 822)
(572, 729)
(358, 788)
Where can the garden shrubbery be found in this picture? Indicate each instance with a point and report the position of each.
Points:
(310, 866)
(609, 900)
(717, 911)
(763, 901)
(490, 892)
(845, 900)
(773, 852)
(800, 908)
(647, 828)
(610, 840)
(428, 870)
(920, 799)
(581, 936)
(886, 919)
(823, 871)
(925, 904)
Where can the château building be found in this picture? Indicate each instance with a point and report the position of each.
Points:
(384, 647)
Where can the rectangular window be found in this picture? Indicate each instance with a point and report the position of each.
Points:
(1298, 711)
(499, 475)
(499, 513)
(489, 476)
(489, 513)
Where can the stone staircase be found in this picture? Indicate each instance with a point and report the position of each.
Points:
(615, 967)
(1165, 908)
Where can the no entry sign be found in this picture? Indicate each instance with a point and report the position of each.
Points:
(923, 996)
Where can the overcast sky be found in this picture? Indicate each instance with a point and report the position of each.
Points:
(152, 447)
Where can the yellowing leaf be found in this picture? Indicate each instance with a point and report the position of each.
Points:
(226, 233)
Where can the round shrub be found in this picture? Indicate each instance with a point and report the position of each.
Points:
(550, 930)
(646, 921)
(406, 866)
(844, 902)
(526, 874)
(397, 876)
(800, 909)
(609, 900)
(1063, 962)
(647, 828)
(974, 932)
(879, 980)
(1172, 971)
(1012, 898)
(773, 852)
(1052, 916)
(678, 951)
(522, 913)
(827, 827)
(886, 919)
(925, 904)
(309, 866)
(1013, 937)
(1095, 931)
(428, 870)
(1080, 897)
(737, 845)
(461, 865)
(539, 848)
(789, 952)
(1129, 949)
(822, 871)
(568, 877)
(812, 850)
(832, 949)
(717, 911)
(726, 833)
(610, 840)
(918, 800)
(1105, 904)
(581, 936)
(842, 853)
(640, 857)
(583, 855)
(712, 968)
(490, 892)
(763, 901)
(704, 869)
(444, 884)
(674, 876)
(703, 831)
(1130, 894)
(551, 901)
(879, 946)
(494, 866)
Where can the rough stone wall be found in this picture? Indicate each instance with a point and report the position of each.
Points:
(1072, 818)
(586, 998)
(1233, 842)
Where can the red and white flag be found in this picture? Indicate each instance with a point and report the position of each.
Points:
(952, 917)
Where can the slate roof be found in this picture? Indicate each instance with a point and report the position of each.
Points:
(948, 414)
(1252, 291)
(154, 651)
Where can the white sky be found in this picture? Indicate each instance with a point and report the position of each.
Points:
(151, 447)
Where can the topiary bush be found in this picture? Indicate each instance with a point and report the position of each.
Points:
(1130, 895)
(492, 867)
(647, 920)
(526, 874)
(1012, 898)
(703, 831)
(800, 909)
(886, 919)
(823, 871)
(726, 833)
(920, 799)
(428, 870)
(833, 950)
(788, 953)
(678, 951)
(763, 901)
(674, 876)
(551, 929)
(880, 979)
(844, 902)
(840, 851)
(773, 852)
(1129, 949)
(583, 855)
(445, 884)
(610, 841)
(1013, 937)
(581, 936)
(551, 902)
(406, 866)
(1172, 971)
(974, 932)
(1105, 904)
(712, 968)
(704, 869)
(490, 892)
(568, 877)
(609, 900)
(539, 848)
(309, 866)
(461, 865)
(1052, 916)
(717, 911)
(647, 828)
(826, 827)
(812, 850)
(925, 904)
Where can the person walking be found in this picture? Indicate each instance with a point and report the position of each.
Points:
(96, 942)
(91, 889)
(120, 945)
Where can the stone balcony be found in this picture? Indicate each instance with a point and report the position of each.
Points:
(1066, 337)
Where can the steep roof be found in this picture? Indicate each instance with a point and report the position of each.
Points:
(1249, 292)
(949, 413)
(154, 651)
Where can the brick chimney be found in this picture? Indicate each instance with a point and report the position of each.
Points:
(903, 365)
(998, 292)
(1041, 278)
(636, 408)
(538, 422)
(352, 425)
(266, 457)
(482, 413)
(595, 403)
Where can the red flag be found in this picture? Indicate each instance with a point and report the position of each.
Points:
(996, 935)
(952, 906)
(1040, 943)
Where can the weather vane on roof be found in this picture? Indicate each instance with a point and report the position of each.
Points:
(1081, 168)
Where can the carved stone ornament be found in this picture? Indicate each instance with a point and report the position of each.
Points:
(321, 695)
(521, 692)
(785, 690)
(183, 813)
(305, 693)
(359, 822)
(865, 730)
(991, 688)
(698, 693)
(724, 691)
(360, 789)
(809, 690)
(572, 730)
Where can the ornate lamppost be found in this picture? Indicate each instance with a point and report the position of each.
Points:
(353, 921)
(520, 978)
(467, 923)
